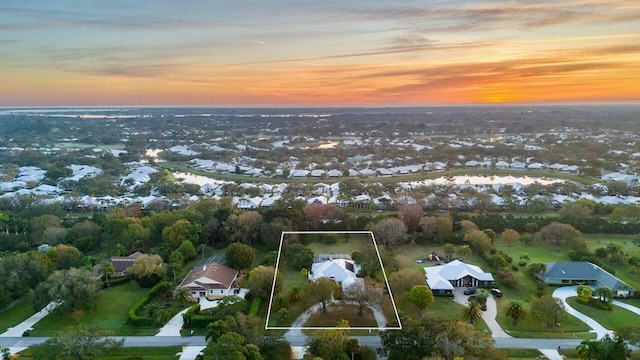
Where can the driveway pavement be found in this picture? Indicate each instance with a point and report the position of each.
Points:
(19, 329)
(172, 327)
(381, 320)
(488, 316)
(568, 291)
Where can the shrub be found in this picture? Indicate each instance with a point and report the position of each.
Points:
(507, 278)
(514, 268)
(137, 320)
(522, 263)
(255, 306)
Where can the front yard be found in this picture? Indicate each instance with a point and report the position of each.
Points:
(110, 314)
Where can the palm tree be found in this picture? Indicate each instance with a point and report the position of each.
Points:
(106, 270)
(482, 295)
(472, 312)
(203, 248)
(120, 249)
(588, 349)
(182, 294)
(516, 311)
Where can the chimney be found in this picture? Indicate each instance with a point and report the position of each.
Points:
(204, 267)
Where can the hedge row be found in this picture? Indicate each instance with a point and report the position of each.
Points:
(137, 320)
(194, 318)
(255, 306)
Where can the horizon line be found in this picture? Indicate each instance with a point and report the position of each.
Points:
(328, 106)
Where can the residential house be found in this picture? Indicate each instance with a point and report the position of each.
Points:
(337, 267)
(442, 279)
(583, 272)
(211, 281)
(120, 265)
(334, 173)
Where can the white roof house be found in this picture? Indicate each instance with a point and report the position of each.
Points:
(299, 173)
(502, 164)
(443, 278)
(334, 173)
(343, 271)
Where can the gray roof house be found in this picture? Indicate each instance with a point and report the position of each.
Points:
(583, 272)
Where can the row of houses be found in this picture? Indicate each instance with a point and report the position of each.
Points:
(443, 279)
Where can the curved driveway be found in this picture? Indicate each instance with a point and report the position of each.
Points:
(568, 291)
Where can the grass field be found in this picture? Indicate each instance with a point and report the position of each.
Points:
(530, 327)
(446, 306)
(612, 320)
(110, 314)
(146, 353)
(16, 314)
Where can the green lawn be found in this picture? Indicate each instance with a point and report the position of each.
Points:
(291, 278)
(530, 327)
(109, 314)
(146, 353)
(444, 306)
(16, 314)
(344, 245)
(612, 320)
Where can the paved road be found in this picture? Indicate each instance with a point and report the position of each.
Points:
(373, 341)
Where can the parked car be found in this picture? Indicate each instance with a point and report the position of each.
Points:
(469, 291)
(496, 292)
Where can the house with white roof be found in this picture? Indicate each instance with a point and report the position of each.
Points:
(334, 173)
(535, 166)
(442, 279)
(368, 172)
(337, 267)
(299, 173)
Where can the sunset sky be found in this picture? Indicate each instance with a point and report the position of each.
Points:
(307, 53)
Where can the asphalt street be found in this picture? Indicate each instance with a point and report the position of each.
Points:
(371, 341)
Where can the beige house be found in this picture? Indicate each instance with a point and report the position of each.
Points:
(211, 281)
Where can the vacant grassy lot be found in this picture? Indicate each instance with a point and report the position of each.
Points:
(146, 353)
(16, 314)
(109, 314)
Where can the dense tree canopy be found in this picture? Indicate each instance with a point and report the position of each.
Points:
(239, 256)
(73, 289)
